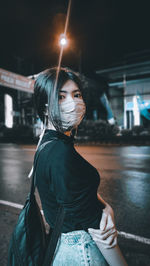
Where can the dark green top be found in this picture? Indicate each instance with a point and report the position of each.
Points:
(63, 176)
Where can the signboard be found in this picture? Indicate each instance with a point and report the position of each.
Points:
(15, 81)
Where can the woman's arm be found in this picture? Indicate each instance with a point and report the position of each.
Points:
(107, 211)
(112, 254)
(106, 236)
(101, 199)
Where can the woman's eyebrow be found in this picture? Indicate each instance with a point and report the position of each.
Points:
(72, 91)
(76, 90)
(63, 91)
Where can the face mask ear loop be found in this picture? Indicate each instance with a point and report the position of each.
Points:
(43, 131)
(76, 131)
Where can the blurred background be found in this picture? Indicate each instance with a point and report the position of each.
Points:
(107, 43)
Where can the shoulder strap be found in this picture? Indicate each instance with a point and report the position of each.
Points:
(52, 243)
(34, 166)
(54, 237)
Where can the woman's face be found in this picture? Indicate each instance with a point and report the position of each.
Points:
(72, 106)
(69, 91)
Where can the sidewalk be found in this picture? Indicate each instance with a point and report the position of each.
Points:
(136, 254)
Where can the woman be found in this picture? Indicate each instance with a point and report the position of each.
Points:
(64, 177)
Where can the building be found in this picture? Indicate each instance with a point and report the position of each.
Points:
(129, 90)
(15, 99)
(17, 104)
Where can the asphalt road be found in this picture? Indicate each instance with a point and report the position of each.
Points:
(125, 185)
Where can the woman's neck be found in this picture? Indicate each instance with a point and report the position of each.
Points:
(68, 133)
(50, 126)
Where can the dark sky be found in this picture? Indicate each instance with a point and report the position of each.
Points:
(101, 32)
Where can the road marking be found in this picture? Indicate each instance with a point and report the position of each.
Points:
(123, 234)
(136, 155)
(15, 205)
(135, 237)
(12, 204)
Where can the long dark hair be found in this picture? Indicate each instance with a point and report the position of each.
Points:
(46, 95)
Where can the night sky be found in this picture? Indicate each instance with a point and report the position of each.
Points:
(100, 32)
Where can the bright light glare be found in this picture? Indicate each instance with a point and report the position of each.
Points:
(8, 111)
(146, 104)
(63, 40)
(136, 111)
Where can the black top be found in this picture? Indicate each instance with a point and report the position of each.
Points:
(65, 177)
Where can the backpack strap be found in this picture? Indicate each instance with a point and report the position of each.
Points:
(52, 242)
(54, 237)
(41, 147)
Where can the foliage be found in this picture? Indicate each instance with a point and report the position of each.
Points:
(95, 130)
(126, 132)
(18, 132)
(137, 130)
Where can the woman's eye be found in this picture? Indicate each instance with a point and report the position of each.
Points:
(61, 97)
(78, 95)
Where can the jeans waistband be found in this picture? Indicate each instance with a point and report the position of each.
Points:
(75, 237)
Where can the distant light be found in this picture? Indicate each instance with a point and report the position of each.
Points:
(146, 104)
(136, 111)
(63, 40)
(8, 111)
(111, 121)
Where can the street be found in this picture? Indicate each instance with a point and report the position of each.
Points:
(125, 185)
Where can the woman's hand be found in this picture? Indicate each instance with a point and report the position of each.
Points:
(107, 234)
(107, 217)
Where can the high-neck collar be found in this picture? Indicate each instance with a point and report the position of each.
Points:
(54, 134)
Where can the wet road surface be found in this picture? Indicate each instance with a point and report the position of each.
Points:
(125, 185)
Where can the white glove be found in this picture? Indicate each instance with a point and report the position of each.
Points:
(106, 239)
(106, 236)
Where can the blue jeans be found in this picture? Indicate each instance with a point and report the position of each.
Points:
(77, 248)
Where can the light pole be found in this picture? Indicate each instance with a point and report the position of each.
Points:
(63, 42)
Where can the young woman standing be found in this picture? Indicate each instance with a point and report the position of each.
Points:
(64, 177)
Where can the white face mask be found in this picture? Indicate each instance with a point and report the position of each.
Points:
(71, 112)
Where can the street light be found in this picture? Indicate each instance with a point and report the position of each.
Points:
(63, 40)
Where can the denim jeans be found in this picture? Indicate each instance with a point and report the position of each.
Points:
(77, 248)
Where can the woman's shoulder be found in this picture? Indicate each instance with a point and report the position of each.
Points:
(58, 148)
(63, 151)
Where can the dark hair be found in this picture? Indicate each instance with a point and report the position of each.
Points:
(45, 93)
